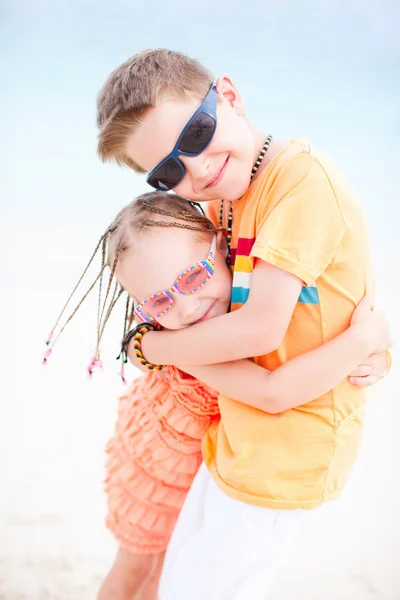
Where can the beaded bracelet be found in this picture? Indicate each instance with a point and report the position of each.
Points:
(390, 362)
(137, 334)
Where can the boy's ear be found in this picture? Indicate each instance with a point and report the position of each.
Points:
(222, 242)
(228, 92)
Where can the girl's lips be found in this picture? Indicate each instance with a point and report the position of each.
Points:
(219, 175)
(206, 315)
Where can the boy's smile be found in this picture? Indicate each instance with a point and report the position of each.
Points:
(223, 169)
(219, 175)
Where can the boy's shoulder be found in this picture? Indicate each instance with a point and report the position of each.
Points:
(291, 165)
(283, 160)
(301, 170)
(294, 161)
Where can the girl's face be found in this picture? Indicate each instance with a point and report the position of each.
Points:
(159, 256)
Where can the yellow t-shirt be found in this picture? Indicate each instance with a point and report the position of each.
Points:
(301, 216)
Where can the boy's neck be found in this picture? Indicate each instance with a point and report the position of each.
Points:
(274, 147)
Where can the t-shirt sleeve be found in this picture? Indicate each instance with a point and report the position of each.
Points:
(302, 233)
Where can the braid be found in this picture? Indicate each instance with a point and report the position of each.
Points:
(184, 215)
(152, 223)
(128, 300)
(129, 314)
(110, 280)
(78, 307)
(103, 262)
(118, 291)
(52, 338)
(103, 237)
(116, 241)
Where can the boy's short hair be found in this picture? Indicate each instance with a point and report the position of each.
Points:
(137, 85)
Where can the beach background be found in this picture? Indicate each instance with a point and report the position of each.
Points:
(329, 71)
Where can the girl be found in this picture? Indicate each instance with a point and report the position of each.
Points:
(155, 452)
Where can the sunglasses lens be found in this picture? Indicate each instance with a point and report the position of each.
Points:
(156, 305)
(192, 279)
(167, 176)
(198, 134)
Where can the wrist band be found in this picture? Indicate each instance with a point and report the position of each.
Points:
(137, 334)
(390, 362)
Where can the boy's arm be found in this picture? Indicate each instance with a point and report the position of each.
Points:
(301, 379)
(295, 243)
(256, 328)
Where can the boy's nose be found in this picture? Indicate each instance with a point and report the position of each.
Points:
(199, 169)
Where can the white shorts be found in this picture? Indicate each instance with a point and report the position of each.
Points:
(224, 549)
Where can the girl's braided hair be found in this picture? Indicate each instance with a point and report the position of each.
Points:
(145, 211)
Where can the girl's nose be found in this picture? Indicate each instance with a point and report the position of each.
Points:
(189, 307)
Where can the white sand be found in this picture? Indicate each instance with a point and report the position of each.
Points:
(53, 427)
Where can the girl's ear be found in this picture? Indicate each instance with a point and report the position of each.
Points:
(222, 242)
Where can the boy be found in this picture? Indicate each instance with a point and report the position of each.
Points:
(301, 262)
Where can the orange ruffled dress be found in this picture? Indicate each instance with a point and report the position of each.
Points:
(154, 456)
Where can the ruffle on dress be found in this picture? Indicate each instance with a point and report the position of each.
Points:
(154, 456)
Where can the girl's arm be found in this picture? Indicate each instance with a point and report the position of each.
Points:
(303, 378)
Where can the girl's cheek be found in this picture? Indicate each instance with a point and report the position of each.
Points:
(169, 322)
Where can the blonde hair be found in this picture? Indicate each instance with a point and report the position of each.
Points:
(137, 85)
(154, 209)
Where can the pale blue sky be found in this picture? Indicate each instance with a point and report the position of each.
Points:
(328, 70)
(325, 69)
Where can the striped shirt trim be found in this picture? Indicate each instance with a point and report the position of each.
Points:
(241, 290)
(240, 295)
(309, 295)
(244, 248)
(241, 279)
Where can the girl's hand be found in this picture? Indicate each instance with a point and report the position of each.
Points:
(373, 324)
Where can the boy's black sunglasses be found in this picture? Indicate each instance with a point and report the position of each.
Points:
(194, 139)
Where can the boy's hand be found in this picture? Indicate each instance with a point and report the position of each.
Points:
(370, 371)
(374, 324)
(373, 367)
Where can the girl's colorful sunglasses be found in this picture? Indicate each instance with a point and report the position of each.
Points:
(188, 282)
(194, 139)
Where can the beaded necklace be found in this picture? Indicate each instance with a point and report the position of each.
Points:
(230, 211)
